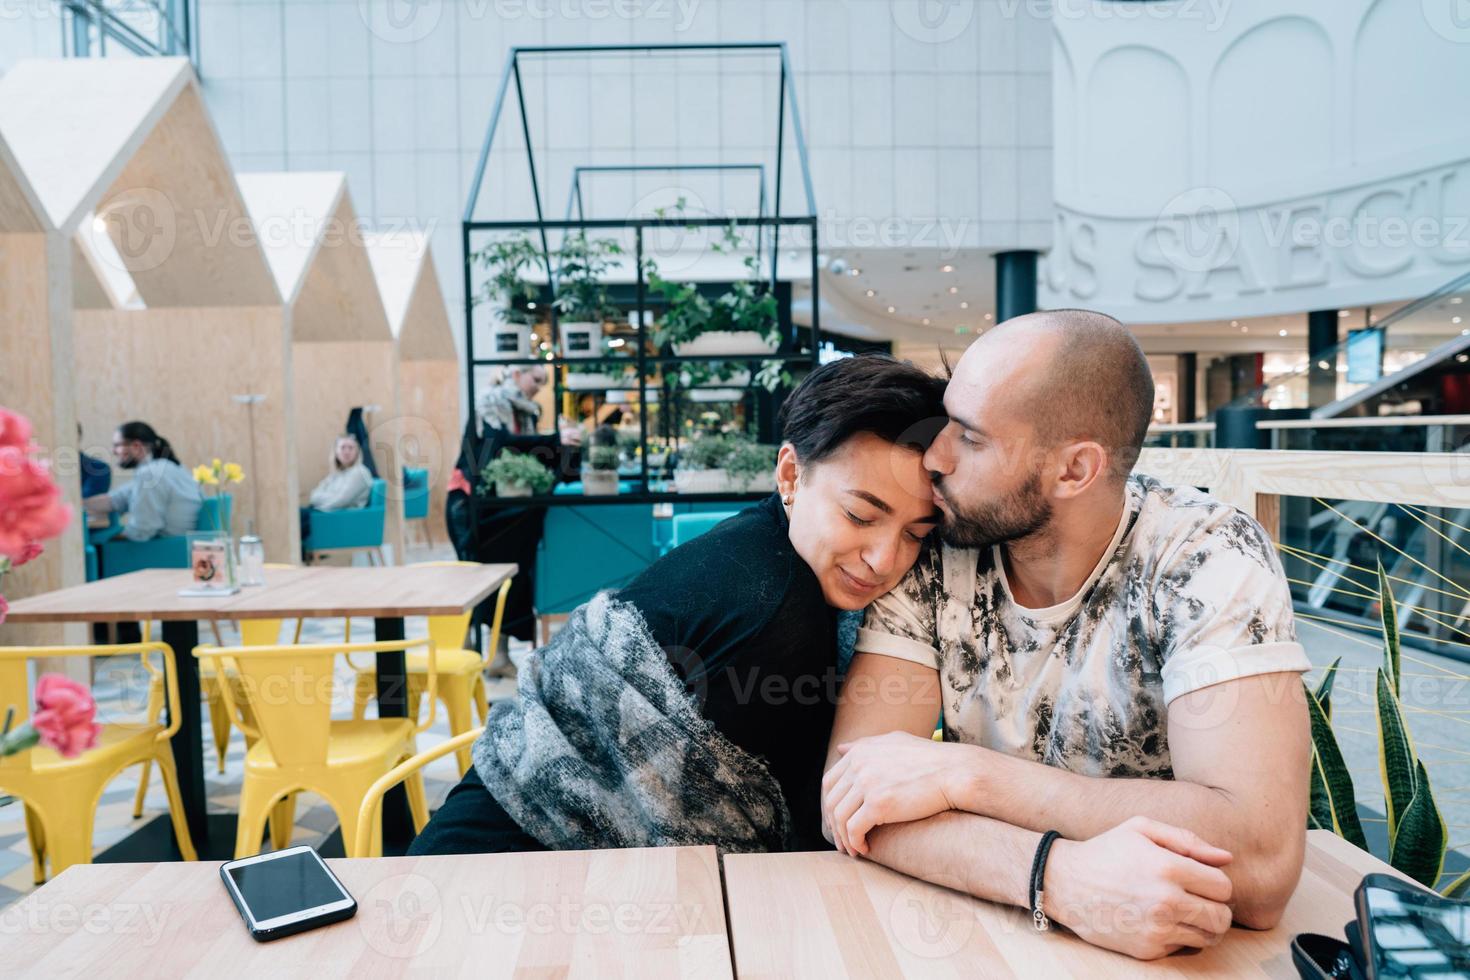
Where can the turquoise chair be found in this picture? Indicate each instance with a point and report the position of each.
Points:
(587, 549)
(353, 529)
(119, 556)
(687, 527)
(415, 494)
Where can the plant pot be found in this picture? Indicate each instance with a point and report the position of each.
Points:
(599, 483)
(764, 482)
(506, 341)
(578, 381)
(512, 490)
(711, 395)
(701, 481)
(581, 338)
(658, 460)
(725, 342)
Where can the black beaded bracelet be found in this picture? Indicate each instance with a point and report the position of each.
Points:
(1036, 896)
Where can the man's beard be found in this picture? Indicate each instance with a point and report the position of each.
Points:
(127, 463)
(1019, 513)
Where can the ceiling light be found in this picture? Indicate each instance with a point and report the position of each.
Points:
(872, 293)
(964, 304)
(925, 321)
(946, 268)
(1281, 333)
(1235, 323)
(99, 225)
(616, 342)
(1462, 358)
(1456, 300)
(1342, 313)
(1455, 319)
(854, 272)
(989, 317)
(953, 290)
(892, 310)
(1245, 329)
(530, 306)
(1324, 365)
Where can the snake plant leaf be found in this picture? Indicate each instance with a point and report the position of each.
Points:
(1395, 755)
(1390, 628)
(1418, 848)
(1335, 808)
(1459, 888)
(1323, 694)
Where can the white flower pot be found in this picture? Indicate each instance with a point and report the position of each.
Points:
(578, 381)
(512, 490)
(658, 460)
(763, 483)
(599, 483)
(581, 338)
(712, 395)
(725, 342)
(496, 340)
(701, 481)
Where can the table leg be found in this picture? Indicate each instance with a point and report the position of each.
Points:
(393, 703)
(188, 742)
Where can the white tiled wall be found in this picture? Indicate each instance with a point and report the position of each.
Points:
(913, 108)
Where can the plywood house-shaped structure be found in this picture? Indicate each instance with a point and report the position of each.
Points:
(175, 312)
(342, 349)
(427, 361)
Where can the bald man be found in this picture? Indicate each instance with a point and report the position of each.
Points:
(1115, 660)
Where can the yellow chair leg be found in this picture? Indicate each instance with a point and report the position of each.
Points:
(165, 757)
(143, 772)
(455, 694)
(72, 844)
(36, 837)
(283, 817)
(255, 807)
(219, 719)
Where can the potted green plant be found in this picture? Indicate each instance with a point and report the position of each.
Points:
(581, 298)
(701, 466)
(600, 475)
(518, 475)
(742, 320)
(500, 307)
(751, 466)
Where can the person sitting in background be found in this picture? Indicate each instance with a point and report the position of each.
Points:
(162, 499)
(692, 706)
(96, 474)
(348, 483)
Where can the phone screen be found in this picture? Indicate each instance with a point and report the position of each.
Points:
(1418, 935)
(285, 885)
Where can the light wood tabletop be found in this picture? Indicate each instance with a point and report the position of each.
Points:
(288, 593)
(647, 913)
(823, 914)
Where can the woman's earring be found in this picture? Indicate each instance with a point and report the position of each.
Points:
(787, 499)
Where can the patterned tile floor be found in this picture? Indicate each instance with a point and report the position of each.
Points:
(120, 686)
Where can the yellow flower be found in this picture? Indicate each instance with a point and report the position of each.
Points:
(205, 475)
(233, 473)
(215, 465)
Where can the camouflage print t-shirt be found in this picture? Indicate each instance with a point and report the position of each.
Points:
(1189, 594)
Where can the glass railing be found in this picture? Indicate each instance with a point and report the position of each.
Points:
(1407, 434)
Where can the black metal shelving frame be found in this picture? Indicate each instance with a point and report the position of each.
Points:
(541, 225)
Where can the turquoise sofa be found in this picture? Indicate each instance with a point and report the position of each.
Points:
(353, 529)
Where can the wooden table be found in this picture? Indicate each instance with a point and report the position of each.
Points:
(823, 914)
(633, 913)
(387, 594)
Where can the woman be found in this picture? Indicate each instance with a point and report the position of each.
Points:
(693, 706)
(348, 483)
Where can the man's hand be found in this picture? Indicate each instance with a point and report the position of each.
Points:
(891, 778)
(570, 432)
(1143, 888)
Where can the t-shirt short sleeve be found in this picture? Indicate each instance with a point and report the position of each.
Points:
(1223, 609)
(901, 624)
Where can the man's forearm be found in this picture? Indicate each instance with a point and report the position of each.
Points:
(969, 853)
(1039, 797)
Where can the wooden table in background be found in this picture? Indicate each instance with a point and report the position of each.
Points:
(632, 913)
(387, 594)
(823, 914)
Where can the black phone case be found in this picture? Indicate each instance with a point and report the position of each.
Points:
(281, 932)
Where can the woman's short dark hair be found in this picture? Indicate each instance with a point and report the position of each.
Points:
(876, 393)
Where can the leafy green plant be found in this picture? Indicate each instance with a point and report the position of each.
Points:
(518, 470)
(706, 452)
(748, 305)
(580, 293)
(506, 259)
(1417, 834)
(603, 458)
(748, 461)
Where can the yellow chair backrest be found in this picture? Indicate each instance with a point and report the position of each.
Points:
(289, 690)
(15, 683)
(260, 632)
(448, 632)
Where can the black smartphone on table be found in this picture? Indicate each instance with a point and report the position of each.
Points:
(286, 892)
(1411, 932)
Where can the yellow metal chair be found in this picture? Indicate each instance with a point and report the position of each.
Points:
(60, 795)
(461, 671)
(369, 819)
(297, 746)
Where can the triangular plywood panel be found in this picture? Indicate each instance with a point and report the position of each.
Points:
(291, 212)
(128, 140)
(20, 209)
(404, 266)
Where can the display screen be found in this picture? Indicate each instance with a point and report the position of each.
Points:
(285, 885)
(1364, 356)
(1418, 935)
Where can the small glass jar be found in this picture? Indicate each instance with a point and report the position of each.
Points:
(252, 559)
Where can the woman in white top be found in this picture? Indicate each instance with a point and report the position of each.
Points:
(348, 484)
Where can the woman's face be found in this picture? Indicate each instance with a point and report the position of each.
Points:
(858, 516)
(346, 452)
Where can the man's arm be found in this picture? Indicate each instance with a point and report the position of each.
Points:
(145, 512)
(1219, 737)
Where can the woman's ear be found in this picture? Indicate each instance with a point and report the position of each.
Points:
(788, 472)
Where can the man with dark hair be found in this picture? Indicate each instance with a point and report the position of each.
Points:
(1115, 661)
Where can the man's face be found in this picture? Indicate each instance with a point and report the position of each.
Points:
(532, 381)
(128, 452)
(987, 463)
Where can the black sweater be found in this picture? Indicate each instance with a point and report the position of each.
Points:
(744, 623)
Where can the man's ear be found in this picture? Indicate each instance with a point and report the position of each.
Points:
(788, 470)
(1082, 464)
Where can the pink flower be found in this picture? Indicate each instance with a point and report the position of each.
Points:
(30, 504)
(4, 608)
(458, 482)
(15, 430)
(64, 715)
(31, 551)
